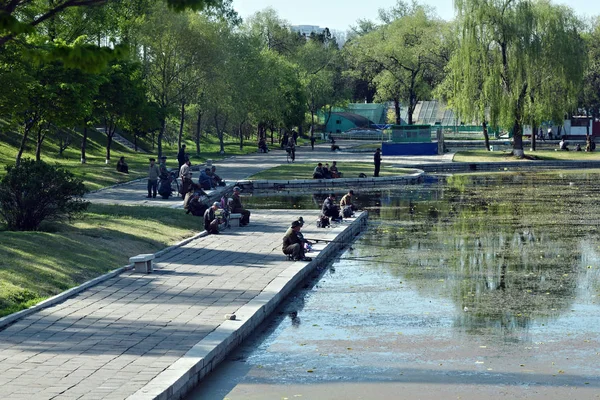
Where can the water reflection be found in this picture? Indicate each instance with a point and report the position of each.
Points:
(508, 250)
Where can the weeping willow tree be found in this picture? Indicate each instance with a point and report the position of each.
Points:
(518, 62)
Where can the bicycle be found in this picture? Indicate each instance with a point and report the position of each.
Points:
(291, 156)
(174, 183)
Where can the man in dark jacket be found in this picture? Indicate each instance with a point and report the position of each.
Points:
(237, 208)
(330, 208)
(377, 162)
(211, 222)
(293, 245)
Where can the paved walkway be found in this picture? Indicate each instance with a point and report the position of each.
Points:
(111, 340)
(240, 167)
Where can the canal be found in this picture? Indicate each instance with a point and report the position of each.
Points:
(470, 287)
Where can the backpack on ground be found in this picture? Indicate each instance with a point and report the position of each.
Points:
(323, 222)
(348, 212)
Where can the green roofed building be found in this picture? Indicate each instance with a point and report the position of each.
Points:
(342, 121)
(373, 111)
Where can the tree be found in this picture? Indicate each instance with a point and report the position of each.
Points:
(168, 56)
(529, 55)
(590, 95)
(35, 191)
(119, 98)
(22, 17)
(317, 60)
(404, 57)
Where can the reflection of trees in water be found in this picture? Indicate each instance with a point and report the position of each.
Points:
(509, 250)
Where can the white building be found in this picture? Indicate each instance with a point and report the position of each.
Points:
(307, 29)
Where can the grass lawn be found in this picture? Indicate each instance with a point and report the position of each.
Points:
(305, 171)
(96, 173)
(496, 156)
(37, 265)
(368, 146)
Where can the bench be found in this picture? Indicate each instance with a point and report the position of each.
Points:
(142, 263)
(235, 218)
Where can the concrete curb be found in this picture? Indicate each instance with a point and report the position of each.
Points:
(184, 374)
(9, 319)
(505, 166)
(409, 179)
(117, 185)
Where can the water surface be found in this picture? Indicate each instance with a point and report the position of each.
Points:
(484, 286)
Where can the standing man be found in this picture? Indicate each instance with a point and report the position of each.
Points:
(312, 141)
(153, 173)
(181, 156)
(237, 208)
(211, 222)
(377, 161)
(185, 173)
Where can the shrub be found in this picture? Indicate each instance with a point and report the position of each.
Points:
(35, 191)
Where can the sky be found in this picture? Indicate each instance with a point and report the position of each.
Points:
(341, 14)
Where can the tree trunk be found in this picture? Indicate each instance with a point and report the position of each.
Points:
(39, 142)
(26, 129)
(109, 130)
(161, 133)
(517, 138)
(533, 136)
(411, 109)
(312, 120)
(241, 137)
(179, 139)
(518, 125)
(135, 138)
(108, 144)
(84, 142)
(486, 136)
(397, 111)
(328, 116)
(198, 126)
(272, 135)
(219, 134)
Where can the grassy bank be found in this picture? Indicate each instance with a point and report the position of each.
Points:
(96, 173)
(37, 265)
(547, 155)
(305, 171)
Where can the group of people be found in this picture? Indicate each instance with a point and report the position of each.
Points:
(590, 145)
(326, 172)
(213, 217)
(295, 245)
(346, 208)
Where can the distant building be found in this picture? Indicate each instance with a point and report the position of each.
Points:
(307, 29)
(342, 121)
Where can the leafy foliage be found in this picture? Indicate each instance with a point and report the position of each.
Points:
(521, 59)
(35, 191)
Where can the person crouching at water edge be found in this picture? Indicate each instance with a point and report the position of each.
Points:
(293, 245)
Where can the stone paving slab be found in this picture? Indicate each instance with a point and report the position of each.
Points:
(149, 335)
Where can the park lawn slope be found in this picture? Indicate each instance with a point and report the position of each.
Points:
(38, 265)
(305, 171)
(96, 173)
(543, 155)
